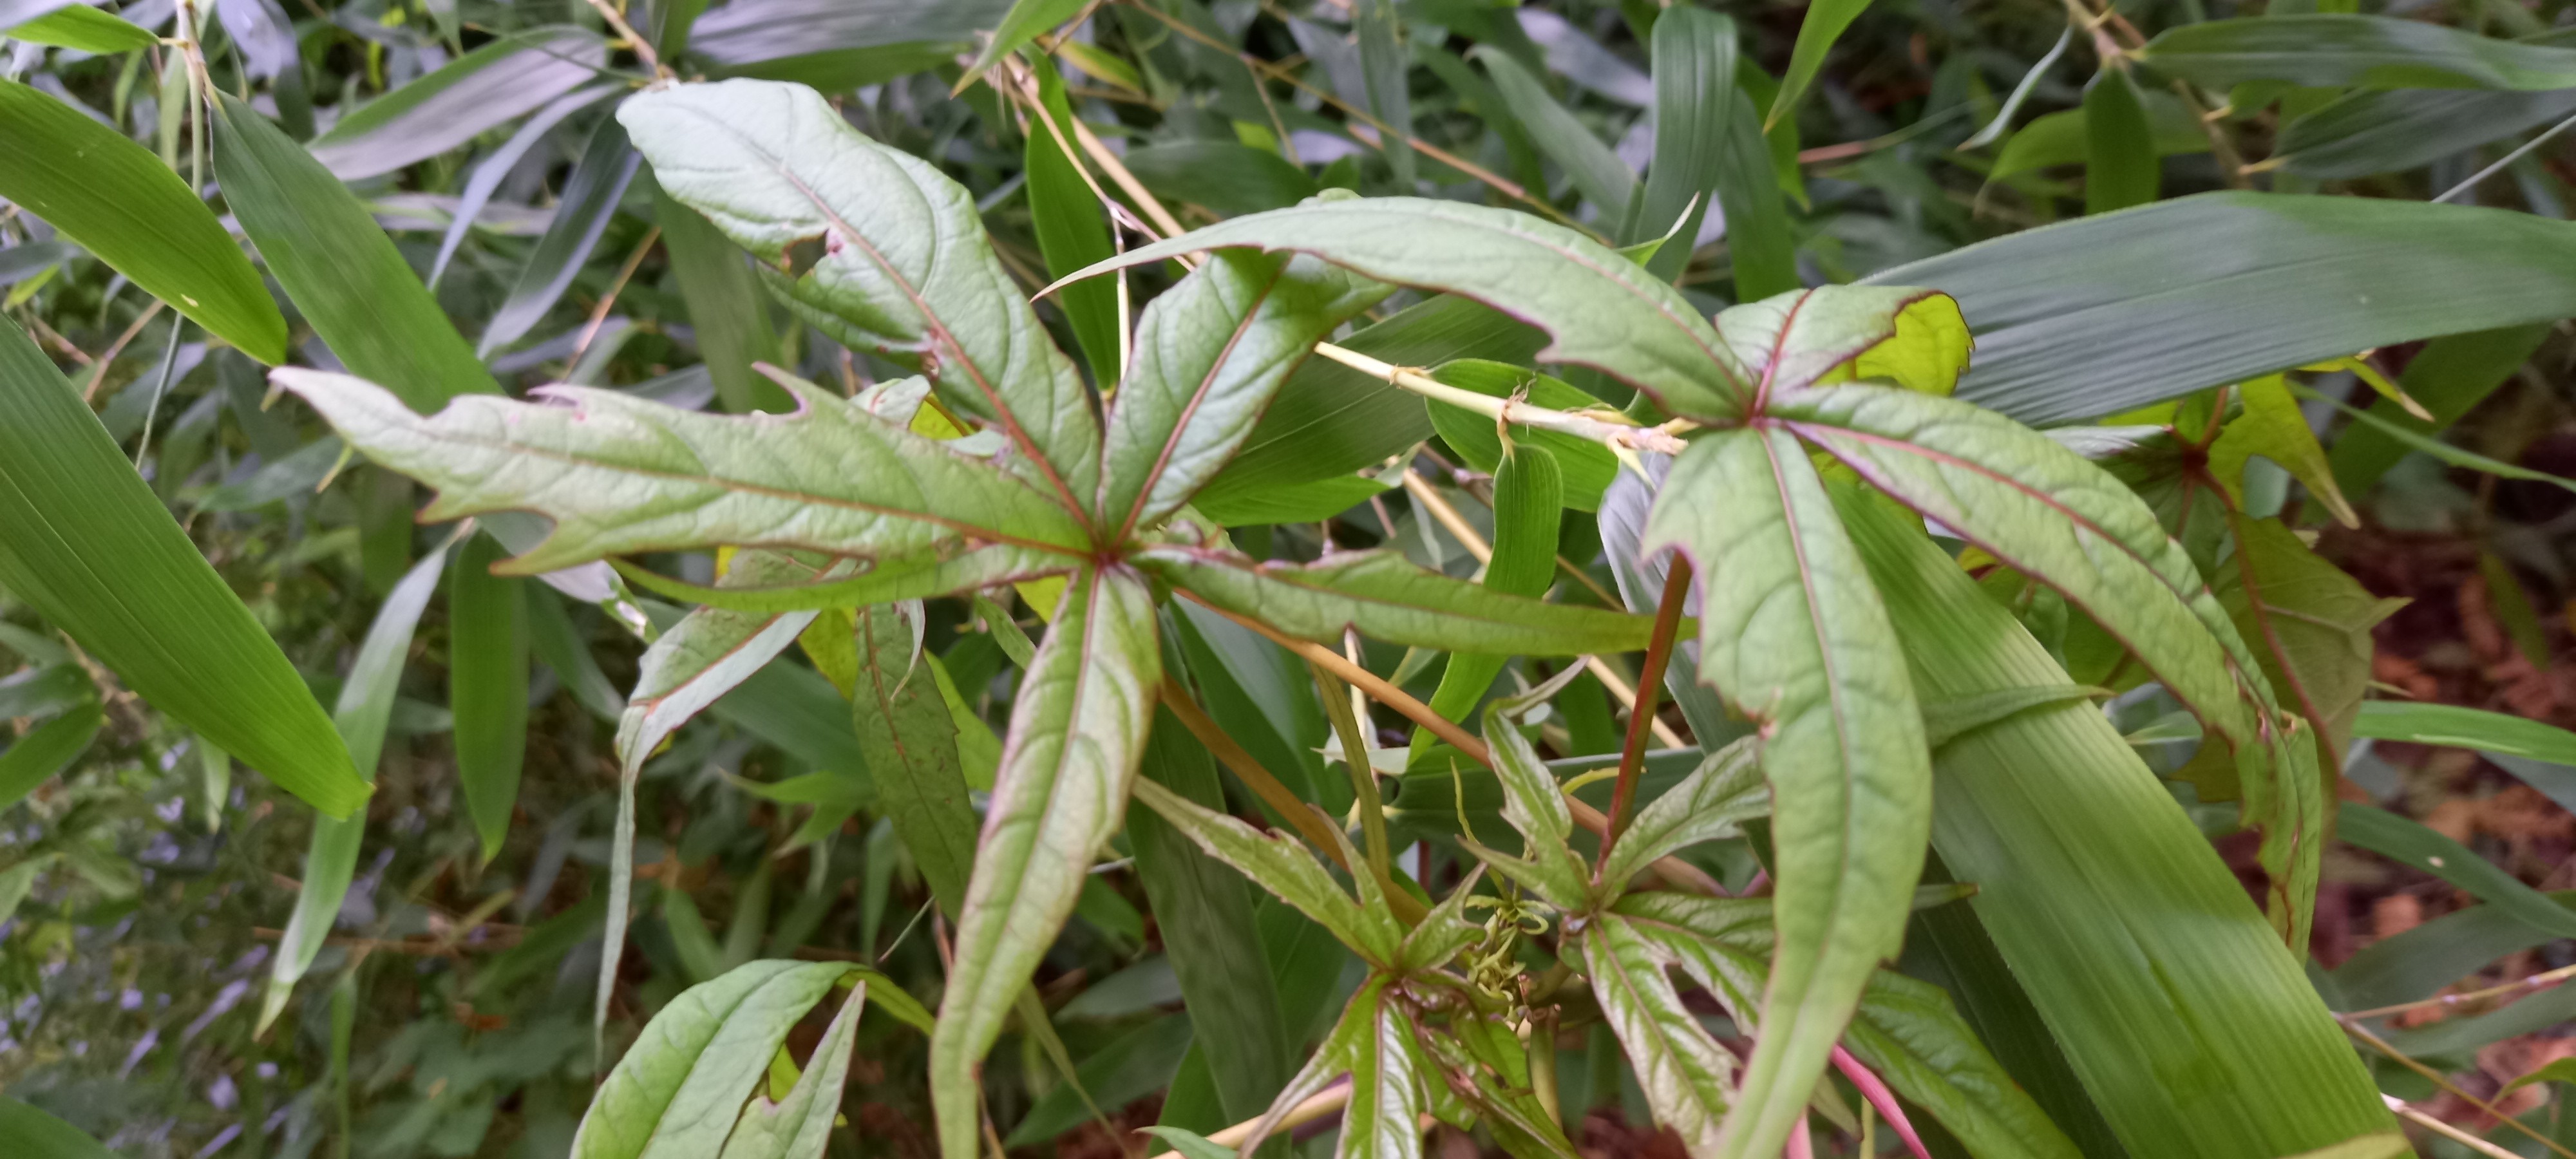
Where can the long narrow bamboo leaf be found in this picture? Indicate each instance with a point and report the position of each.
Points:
(487, 685)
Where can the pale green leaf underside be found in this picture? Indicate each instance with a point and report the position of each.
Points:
(619, 475)
(1794, 635)
(1684, 1073)
(1386, 597)
(1077, 732)
(1603, 310)
(1210, 354)
(900, 263)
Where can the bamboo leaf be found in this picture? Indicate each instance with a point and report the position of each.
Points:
(487, 686)
(340, 270)
(2135, 943)
(33, 759)
(2468, 728)
(85, 28)
(44, 1136)
(481, 90)
(121, 203)
(2335, 50)
(364, 710)
(1825, 22)
(2122, 164)
(1602, 310)
(1793, 636)
(886, 581)
(1072, 230)
(1022, 24)
(680, 1090)
(911, 744)
(2390, 835)
(2448, 377)
(1694, 53)
(617, 474)
(72, 514)
(2446, 452)
(910, 276)
(1529, 507)
(1077, 732)
(1210, 354)
(1595, 169)
(1276, 862)
(588, 200)
(1386, 597)
(2393, 130)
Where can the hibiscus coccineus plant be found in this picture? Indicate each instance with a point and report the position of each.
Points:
(1780, 465)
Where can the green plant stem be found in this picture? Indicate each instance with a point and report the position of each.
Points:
(1355, 757)
(1650, 684)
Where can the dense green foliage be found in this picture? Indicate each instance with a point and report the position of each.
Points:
(930, 578)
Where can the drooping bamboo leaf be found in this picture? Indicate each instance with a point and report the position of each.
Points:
(1225, 176)
(1529, 507)
(1585, 467)
(1210, 353)
(1824, 24)
(483, 89)
(1025, 21)
(1384, 61)
(2449, 377)
(1695, 103)
(1224, 975)
(1595, 169)
(2456, 456)
(487, 686)
(1077, 732)
(33, 759)
(73, 514)
(2392, 130)
(2122, 166)
(2468, 728)
(728, 311)
(2417, 964)
(44, 1136)
(910, 277)
(2106, 314)
(1686, 1076)
(2150, 965)
(1072, 230)
(1713, 801)
(85, 28)
(497, 164)
(121, 203)
(1909, 1033)
(365, 707)
(1387, 597)
(1603, 311)
(1757, 172)
(342, 272)
(1793, 636)
(2064, 137)
(616, 474)
(2337, 50)
(681, 1089)
(911, 743)
(589, 199)
(2413, 843)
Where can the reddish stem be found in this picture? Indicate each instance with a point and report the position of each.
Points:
(1650, 686)
(1875, 1090)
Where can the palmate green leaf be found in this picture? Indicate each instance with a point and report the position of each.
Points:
(338, 267)
(121, 203)
(2107, 314)
(911, 744)
(487, 686)
(1077, 732)
(884, 581)
(1386, 597)
(489, 87)
(2062, 520)
(2191, 1027)
(1803, 338)
(364, 710)
(2391, 130)
(1278, 863)
(680, 1090)
(1792, 634)
(617, 474)
(1713, 801)
(43, 1136)
(1595, 169)
(910, 276)
(1686, 1076)
(86, 545)
(1602, 310)
(2332, 50)
(1210, 354)
(1909, 1032)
